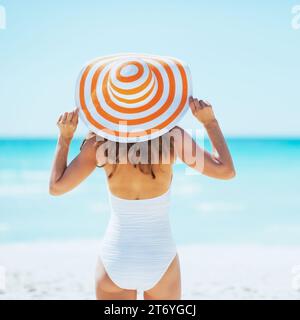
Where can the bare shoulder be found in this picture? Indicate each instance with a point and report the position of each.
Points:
(88, 142)
(177, 129)
(90, 147)
(180, 135)
(96, 147)
(179, 132)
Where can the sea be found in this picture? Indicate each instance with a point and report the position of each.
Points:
(260, 206)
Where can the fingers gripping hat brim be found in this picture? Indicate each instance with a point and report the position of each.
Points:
(133, 97)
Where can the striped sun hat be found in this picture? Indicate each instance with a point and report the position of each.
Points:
(133, 97)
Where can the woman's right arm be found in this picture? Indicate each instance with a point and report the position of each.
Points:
(217, 164)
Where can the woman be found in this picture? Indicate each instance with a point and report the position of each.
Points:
(138, 252)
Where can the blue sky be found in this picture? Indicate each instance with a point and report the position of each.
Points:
(244, 57)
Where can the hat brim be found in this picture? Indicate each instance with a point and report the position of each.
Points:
(112, 115)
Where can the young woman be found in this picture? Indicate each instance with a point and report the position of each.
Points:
(138, 252)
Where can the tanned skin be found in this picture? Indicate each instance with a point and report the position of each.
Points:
(64, 178)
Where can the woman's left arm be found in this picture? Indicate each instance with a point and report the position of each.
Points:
(217, 164)
(64, 178)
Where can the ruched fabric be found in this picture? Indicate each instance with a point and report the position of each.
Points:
(138, 245)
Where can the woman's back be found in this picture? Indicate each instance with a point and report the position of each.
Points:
(136, 171)
(130, 182)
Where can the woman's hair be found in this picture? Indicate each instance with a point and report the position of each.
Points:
(142, 155)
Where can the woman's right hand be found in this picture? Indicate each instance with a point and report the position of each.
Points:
(67, 124)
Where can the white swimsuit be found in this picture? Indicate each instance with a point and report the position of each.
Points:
(138, 246)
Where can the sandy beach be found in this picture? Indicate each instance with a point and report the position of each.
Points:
(65, 270)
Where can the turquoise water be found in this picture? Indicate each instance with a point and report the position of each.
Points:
(260, 206)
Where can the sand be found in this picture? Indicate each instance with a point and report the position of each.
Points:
(65, 270)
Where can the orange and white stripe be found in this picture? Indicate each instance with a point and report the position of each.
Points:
(133, 97)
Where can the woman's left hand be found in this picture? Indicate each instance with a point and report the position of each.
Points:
(202, 110)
